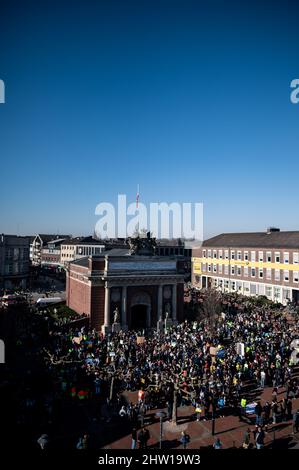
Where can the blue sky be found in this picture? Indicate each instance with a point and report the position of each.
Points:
(189, 99)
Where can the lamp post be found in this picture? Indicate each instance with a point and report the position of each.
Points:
(161, 415)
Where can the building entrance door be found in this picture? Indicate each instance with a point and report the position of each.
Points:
(139, 317)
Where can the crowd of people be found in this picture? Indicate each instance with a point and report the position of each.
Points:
(216, 368)
(197, 362)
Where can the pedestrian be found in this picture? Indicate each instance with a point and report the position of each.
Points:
(134, 438)
(43, 441)
(141, 439)
(263, 379)
(123, 412)
(246, 439)
(274, 408)
(185, 439)
(295, 422)
(217, 444)
(259, 438)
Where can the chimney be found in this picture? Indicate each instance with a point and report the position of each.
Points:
(272, 229)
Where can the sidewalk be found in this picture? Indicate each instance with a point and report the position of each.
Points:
(229, 430)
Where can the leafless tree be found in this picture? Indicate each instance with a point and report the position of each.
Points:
(210, 307)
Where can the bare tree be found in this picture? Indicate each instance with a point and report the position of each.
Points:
(210, 307)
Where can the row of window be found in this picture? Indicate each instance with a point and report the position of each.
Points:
(253, 272)
(260, 256)
(277, 293)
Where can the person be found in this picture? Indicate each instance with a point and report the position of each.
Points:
(263, 378)
(274, 408)
(259, 438)
(289, 408)
(134, 438)
(141, 439)
(217, 444)
(123, 412)
(283, 410)
(198, 411)
(43, 441)
(185, 439)
(258, 411)
(83, 442)
(295, 421)
(246, 439)
(242, 408)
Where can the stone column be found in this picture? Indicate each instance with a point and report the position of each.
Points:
(160, 292)
(174, 301)
(106, 326)
(124, 318)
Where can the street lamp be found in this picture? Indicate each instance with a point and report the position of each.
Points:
(161, 415)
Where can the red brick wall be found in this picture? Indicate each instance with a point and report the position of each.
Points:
(79, 298)
(97, 307)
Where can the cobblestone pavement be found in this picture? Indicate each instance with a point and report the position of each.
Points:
(229, 429)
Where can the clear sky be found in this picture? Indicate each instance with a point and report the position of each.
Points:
(190, 99)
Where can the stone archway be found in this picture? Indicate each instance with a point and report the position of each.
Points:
(140, 310)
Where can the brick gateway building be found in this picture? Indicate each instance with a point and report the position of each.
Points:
(140, 284)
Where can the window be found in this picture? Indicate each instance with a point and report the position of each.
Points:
(220, 268)
(220, 254)
(209, 253)
(269, 292)
(233, 285)
(204, 267)
(261, 273)
(269, 257)
(286, 276)
(245, 255)
(252, 289)
(245, 271)
(204, 253)
(296, 258)
(277, 257)
(209, 268)
(277, 275)
(277, 292)
(215, 254)
(286, 294)
(252, 272)
(214, 268)
(269, 274)
(295, 276)
(261, 256)
(239, 255)
(226, 254)
(226, 269)
(286, 257)
(246, 286)
(239, 270)
(253, 256)
(232, 270)
(232, 255)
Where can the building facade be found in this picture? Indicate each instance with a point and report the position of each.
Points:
(80, 247)
(40, 242)
(14, 261)
(51, 253)
(140, 287)
(263, 263)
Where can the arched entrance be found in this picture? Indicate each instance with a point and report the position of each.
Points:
(139, 317)
(140, 311)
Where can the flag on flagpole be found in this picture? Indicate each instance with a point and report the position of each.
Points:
(137, 196)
